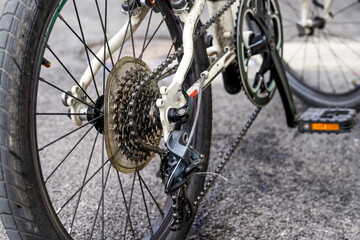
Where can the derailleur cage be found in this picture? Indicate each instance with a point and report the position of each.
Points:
(182, 208)
(180, 163)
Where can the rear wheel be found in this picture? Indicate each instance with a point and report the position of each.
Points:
(59, 180)
(323, 65)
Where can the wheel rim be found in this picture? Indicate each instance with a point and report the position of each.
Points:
(49, 172)
(325, 62)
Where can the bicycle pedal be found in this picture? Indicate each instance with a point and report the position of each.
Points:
(327, 120)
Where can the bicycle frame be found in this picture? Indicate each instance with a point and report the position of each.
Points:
(223, 33)
(222, 48)
(190, 21)
(305, 12)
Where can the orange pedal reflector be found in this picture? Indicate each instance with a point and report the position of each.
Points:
(327, 120)
(325, 126)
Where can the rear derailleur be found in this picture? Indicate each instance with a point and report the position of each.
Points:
(177, 167)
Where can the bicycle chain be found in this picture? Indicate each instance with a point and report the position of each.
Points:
(155, 75)
(157, 71)
(222, 164)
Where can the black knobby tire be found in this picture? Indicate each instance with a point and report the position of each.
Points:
(323, 67)
(25, 206)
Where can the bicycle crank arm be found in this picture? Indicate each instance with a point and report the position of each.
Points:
(217, 67)
(282, 84)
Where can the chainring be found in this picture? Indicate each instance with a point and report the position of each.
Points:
(255, 69)
(131, 125)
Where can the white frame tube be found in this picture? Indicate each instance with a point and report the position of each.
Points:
(167, 100)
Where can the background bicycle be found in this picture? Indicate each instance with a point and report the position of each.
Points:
(321, 50)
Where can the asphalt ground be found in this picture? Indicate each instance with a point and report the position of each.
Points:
(280, 184)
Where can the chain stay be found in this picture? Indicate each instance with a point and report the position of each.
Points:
(157, 71)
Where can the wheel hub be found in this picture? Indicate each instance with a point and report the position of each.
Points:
(132, 128)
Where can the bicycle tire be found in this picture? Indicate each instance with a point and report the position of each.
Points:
(25, 206)
(322, 67)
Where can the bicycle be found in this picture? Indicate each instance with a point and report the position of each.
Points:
(321, 47)
(144, 97)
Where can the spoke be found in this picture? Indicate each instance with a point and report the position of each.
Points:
(296, 12)
(318, 66)
(103, 137)
(146, 209)
(157, 29)
(337, 58)
(67, 70)
(131, 195)
(68, 94)
(146, 32)
(86, 51)
(346, 8)
(104, 31)
(127, 209)
(292, 37)
(304, 59)
(84, 179)
(298, 50)
(67, 134)
(344, 63)
(123, 42)
(67, 155)
(131, 30)
(323, 67)
(159, 208)
(342, 40)
(100, 203)
(103, 189)
(127, 29)
(316, 43)
(64, 114)
(82, 187)
(87, 47)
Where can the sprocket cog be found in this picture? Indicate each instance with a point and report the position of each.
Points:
(132, 127)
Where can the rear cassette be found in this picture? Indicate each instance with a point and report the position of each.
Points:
(132, 126)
